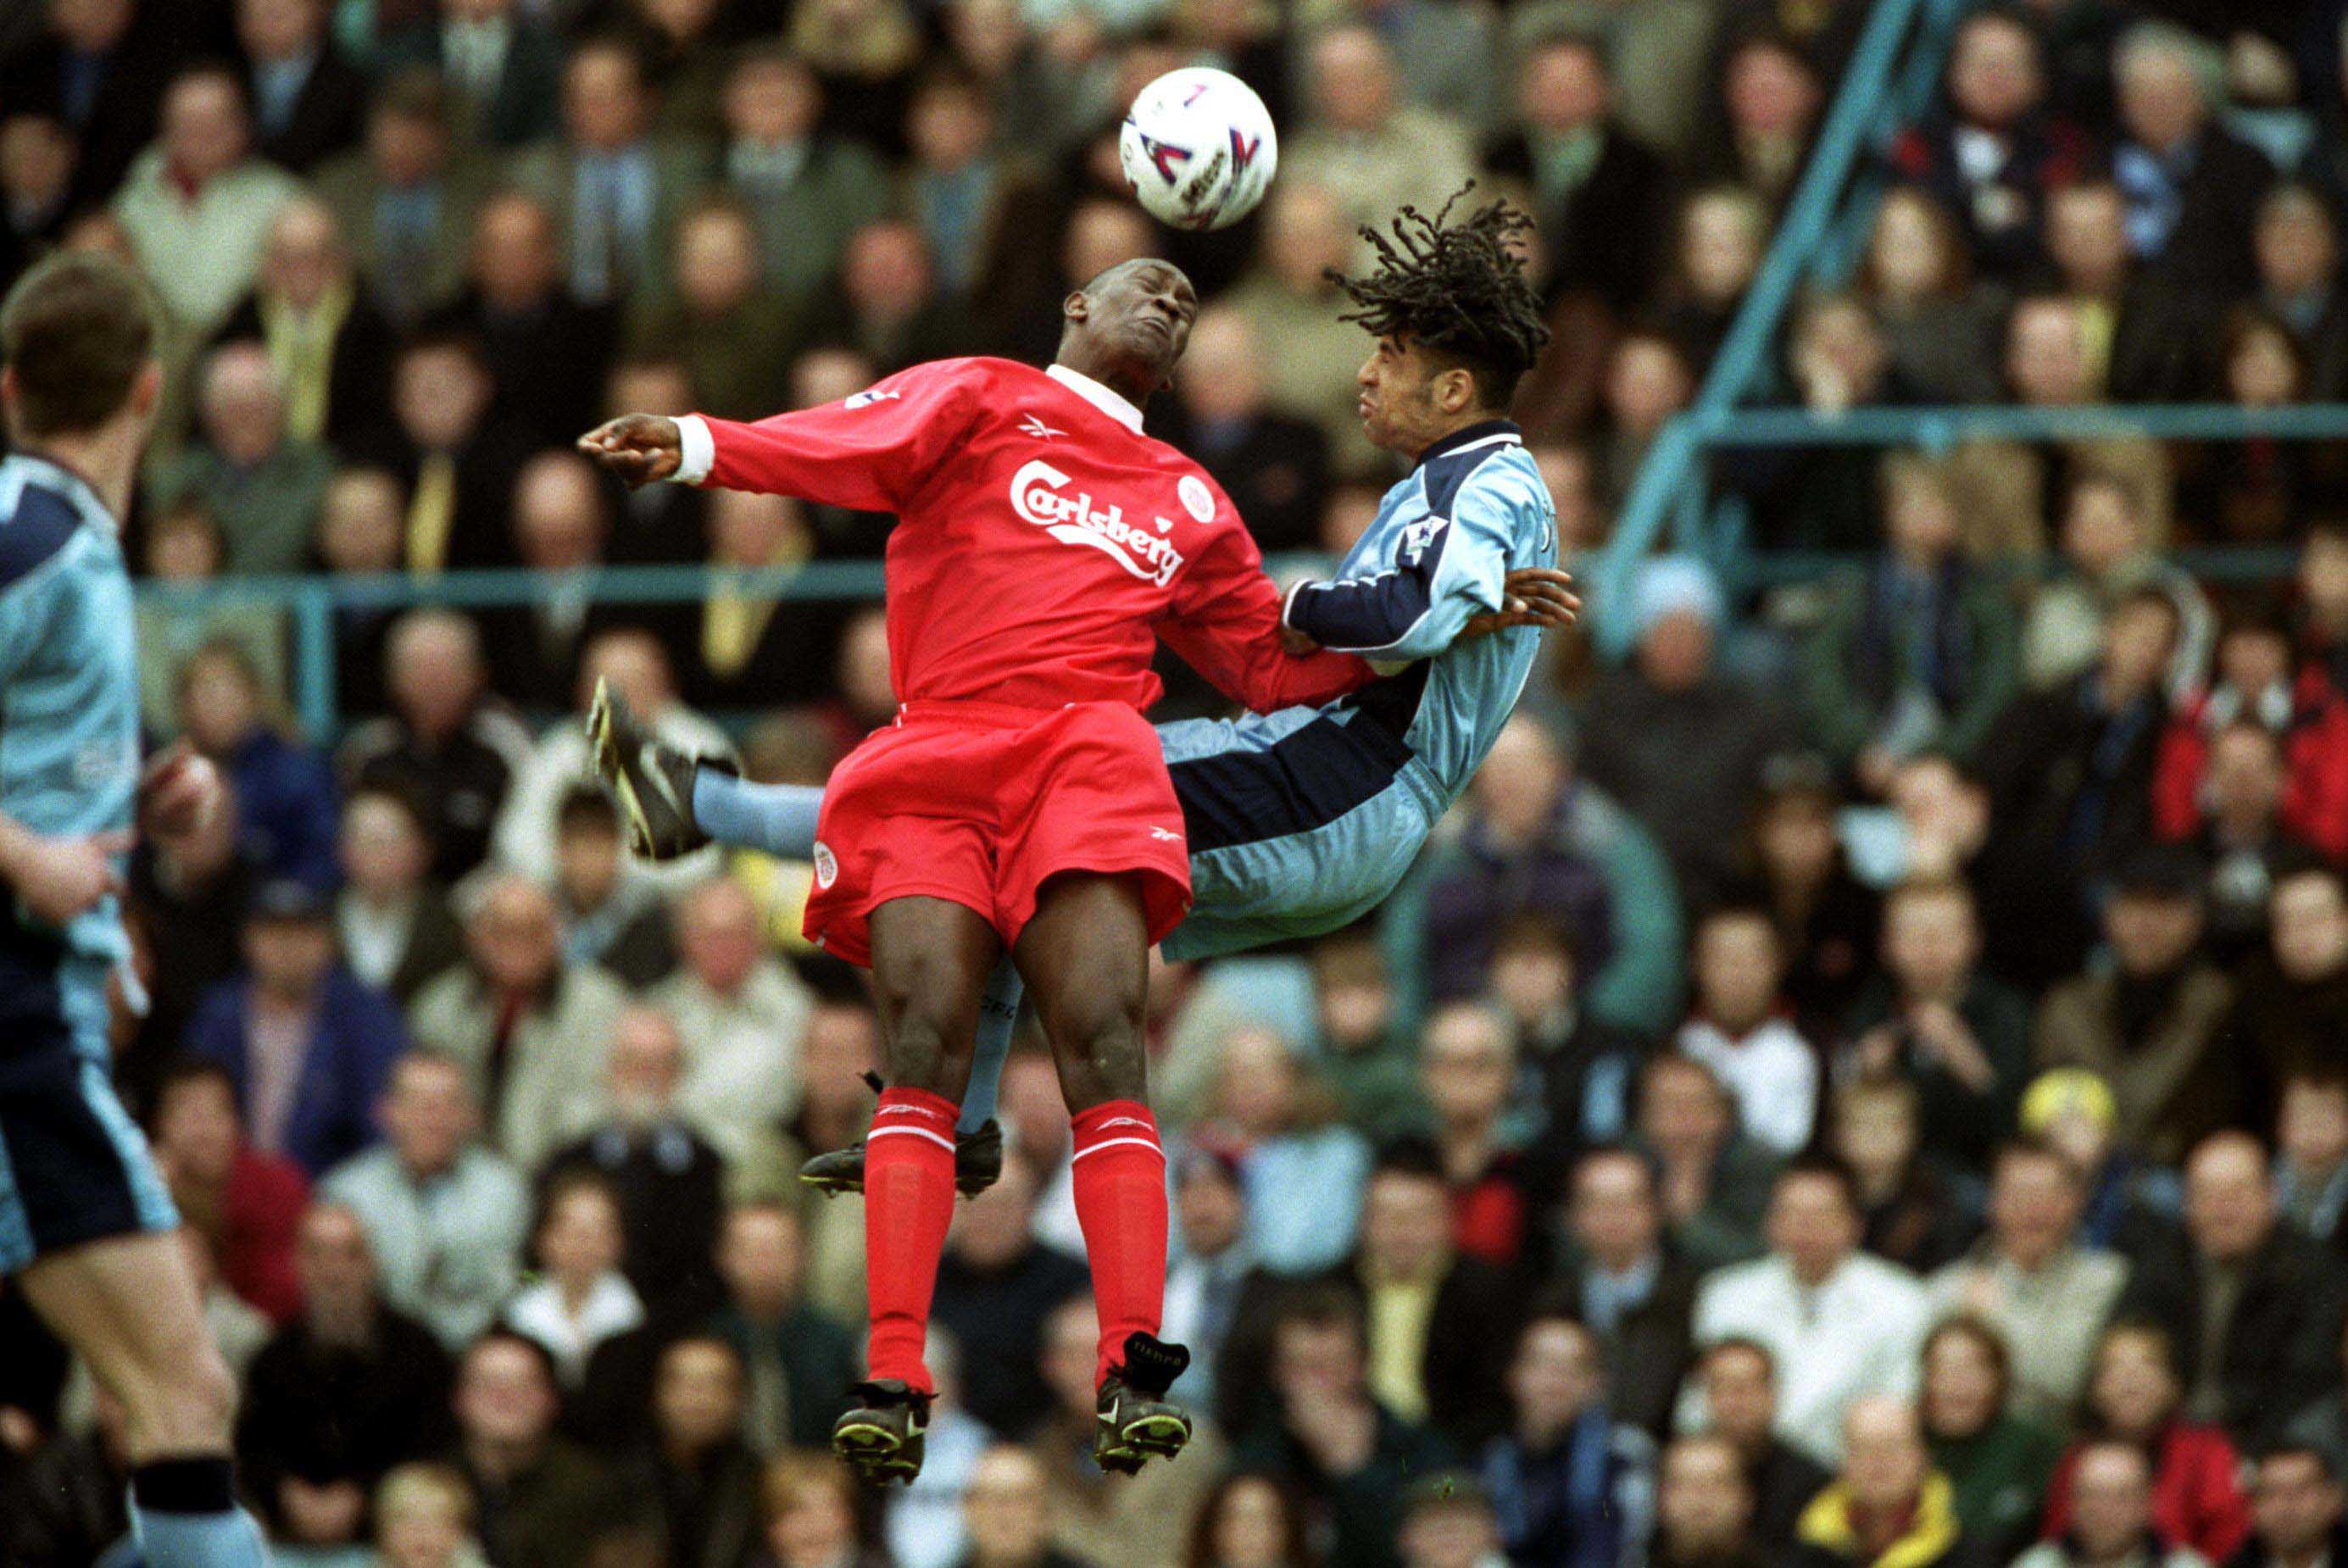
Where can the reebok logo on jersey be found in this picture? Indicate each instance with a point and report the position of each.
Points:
(866, 399)
(1034, 427)
(1036, 494)
(1166, 835)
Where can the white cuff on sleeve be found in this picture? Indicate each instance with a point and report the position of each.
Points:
(1288, 604)
(699, 449)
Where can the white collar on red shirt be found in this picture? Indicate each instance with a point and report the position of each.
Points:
(1110, 403)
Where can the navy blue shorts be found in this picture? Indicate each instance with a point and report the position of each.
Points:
(74, 1167)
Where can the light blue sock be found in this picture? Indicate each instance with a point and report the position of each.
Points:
(998, 1014)
(777, 818)
(202, 1527)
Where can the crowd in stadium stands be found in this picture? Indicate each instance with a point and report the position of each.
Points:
(1863, 1079)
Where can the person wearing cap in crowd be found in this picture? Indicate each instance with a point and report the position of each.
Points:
(2148, 1023)
(1678, 740)
(310, 1048)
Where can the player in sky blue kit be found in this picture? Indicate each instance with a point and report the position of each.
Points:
(1303, 821)
(86, 1225)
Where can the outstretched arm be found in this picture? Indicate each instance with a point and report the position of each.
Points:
(1449, 578)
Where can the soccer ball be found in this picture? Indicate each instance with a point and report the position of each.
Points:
(1197, 148)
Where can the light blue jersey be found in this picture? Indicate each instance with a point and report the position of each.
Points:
(68, 675)
(73, 1166)
(1303, 821)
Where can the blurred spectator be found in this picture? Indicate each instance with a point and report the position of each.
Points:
(1704, 1508)
(2107, 557)
(196, 206)
(444, 745)
(704, 1477)
(1679, 742)
(530, 1034)
(1363, 1056)
(244, 1203)
(1629, 1284)
(580, 1298)
(1918, 654)
(1363, 143)
(1917, 278)
(91, 70)
(2322, 613)
(343, 1393)
(282, 789)
(543, 1499)
(1827, 923)
(444, 1217)
(1289, 301)
(1736, 1382)
(1648, 378)
(2291, 999)
(68, 1502)
(1996, 1461)
(2311, 1166)
(735, 338)
(1301, 1169)
(503, 64)
(2145, 339)
(888, 306)
(744, 648)
(1582, 1070)
(807, 190)
(2148, 1021)
(396, 925)
(545, 350)
(1717, 244)
(309, 1046)
(405, 200)
(2295, 1510)
(2257, 1305)
(329, 345)
(1008, 1514)
(191, 893)
(308, 101)
(1889, 1501)
(995, 1288)
(1536, 838)
(1143, 1523)
(455, 464)
(810, 1504)
(1467, 1068)
(2031, 1280)
(1213, 1282)
(2134, 1397)
(263, 483)
(956, 184)
(742, 1012)
(1599, 193)
(1909, 1213)
(614, 188)
(1322, 1430)
(1993, 152)
(1839, 1325)
(2111, 1516)
(36, 170)
(359, 536)
(662, 523)
(666, 1182)
(1936, 1020)
(1739, 1029)
(2251, 808)
(558, 521)
(1714, 1179)
(1274, 466)
(2192, 187)
(795, 1358)
(608, 920)
(2296, 244)
(635, 663)
(1249, 1520)
(1449, 1521)
(425, 1517)
(1569, 1483)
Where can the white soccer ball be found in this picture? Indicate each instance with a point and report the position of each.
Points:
(1197, 148)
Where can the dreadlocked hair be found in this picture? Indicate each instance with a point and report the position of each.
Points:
(1457, 288)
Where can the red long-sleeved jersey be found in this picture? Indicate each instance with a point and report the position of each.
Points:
(1041, 539)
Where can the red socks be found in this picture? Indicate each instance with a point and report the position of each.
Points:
(908, 1198)
(1119, 1173)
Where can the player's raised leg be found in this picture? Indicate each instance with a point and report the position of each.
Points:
(931, 957)
(1085, 955)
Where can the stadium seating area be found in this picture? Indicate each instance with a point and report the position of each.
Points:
(1861, 1079)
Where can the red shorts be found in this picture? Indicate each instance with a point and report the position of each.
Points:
(982, 802)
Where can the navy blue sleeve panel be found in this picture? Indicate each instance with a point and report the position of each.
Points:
(42, 524)
(1376, 613)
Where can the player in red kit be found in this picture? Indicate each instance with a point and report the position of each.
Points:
(1019, 801)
